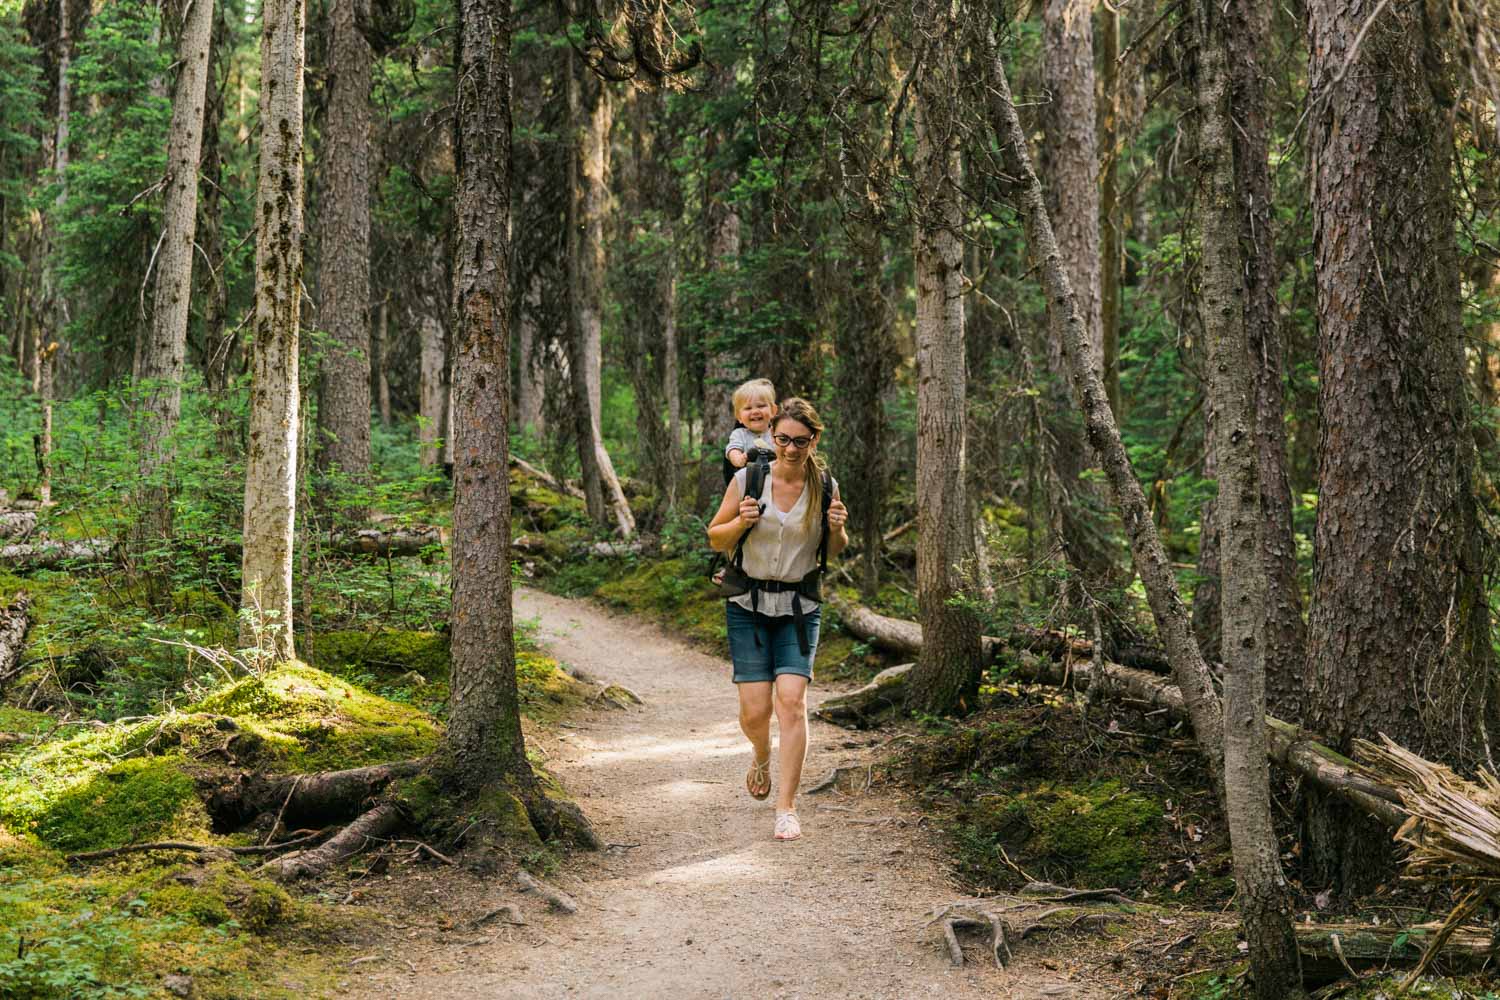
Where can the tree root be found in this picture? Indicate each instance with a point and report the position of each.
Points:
(556, 898)
(304, 798)
(1011, 920)
(177, 845)
(372, 825)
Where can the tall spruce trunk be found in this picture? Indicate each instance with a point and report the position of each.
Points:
(1151, 562)
(1399, 637)
(1070, 158)
(344, 251)
(946, 676)
(531, 394)
(380, 359)
(1111, 234)
(1263, 896)
(592, 116)
(162, 364)
(720, 372)
(271, 464)
(432, 387)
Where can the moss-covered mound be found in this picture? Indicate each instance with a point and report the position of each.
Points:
(1036, 786)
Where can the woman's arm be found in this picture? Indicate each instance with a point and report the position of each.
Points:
(838, 517)
(733, 517)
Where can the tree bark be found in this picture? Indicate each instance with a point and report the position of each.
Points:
(433, 375)
(379, 360)
(271, 465)
(162, 364)
(344, 251)
(15, 620)
(1263, 896)
(592, 116)
(720, 372)
(483, 744)
(1399, 636)
(1151, 561)
(946, 677)
(1111, 236)
(531, 395)
(1249, 25)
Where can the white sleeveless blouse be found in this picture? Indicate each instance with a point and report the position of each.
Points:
(780, 547)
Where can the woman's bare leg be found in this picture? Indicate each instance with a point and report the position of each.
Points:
(791, 719)
(755, 722)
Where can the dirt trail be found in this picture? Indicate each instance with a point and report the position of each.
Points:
(707, 905)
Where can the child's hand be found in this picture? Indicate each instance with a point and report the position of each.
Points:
(838, 514)
(749, 510)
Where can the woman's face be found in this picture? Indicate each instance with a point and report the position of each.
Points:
(794, 441)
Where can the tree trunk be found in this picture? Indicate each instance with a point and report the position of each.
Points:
(432, 404)
(1151, 561)
(379, 361)
(720, 372)
(1112, 242)
(946, 677)
(532, 392)
(1249, 25)
(219, 346)
(1070, 158)
(271, 465)
(1264, 899)
(162, 364)
(1399, 637)
(483, 749)
(592, 116)
(344, 252)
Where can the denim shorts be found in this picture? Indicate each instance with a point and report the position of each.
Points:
(778, 651)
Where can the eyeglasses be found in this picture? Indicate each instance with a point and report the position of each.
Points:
(787, 442)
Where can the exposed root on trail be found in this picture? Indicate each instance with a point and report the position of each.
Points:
(556, 898)
(1009, 920)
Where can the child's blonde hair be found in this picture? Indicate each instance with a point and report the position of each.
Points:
(756, 388)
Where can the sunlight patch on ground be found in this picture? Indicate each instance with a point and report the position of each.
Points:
(725, 869)
(652, 748)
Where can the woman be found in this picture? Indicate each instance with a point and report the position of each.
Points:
(773, 629)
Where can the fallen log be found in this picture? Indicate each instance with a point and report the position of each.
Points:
(18, 524)
(546, 478)
(15, 619)
(322, 796)
(376, 542)
(1287, 745)
(905, 638)
(1331, 951)
(50, 555)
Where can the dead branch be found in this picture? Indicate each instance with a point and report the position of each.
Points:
(177, 845)
(556, 898)
(545, 478)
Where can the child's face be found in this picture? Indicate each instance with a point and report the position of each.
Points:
(756, 414)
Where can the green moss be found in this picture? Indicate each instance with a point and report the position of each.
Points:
(133, 801)
(674, 591)
(505, 817)
(116, 930)
(19, 720)
(1092, 834)
(311, 721)
(386, 653)
(546, 691)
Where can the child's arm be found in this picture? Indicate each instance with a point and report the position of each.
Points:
(736, 458)
(740, 440)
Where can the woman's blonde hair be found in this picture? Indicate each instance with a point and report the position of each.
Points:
(802, 411)
(756, 388)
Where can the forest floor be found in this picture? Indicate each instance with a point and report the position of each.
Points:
(696, 899)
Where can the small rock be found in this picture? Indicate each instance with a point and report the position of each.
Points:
(617, 696)
(178, 986)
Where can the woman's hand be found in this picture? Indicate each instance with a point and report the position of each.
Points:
(750, 510)
(838, 514)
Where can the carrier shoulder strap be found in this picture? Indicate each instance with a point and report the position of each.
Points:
(755, 481)
(823, 537)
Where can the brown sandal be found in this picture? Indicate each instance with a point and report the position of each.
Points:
(760, 771)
